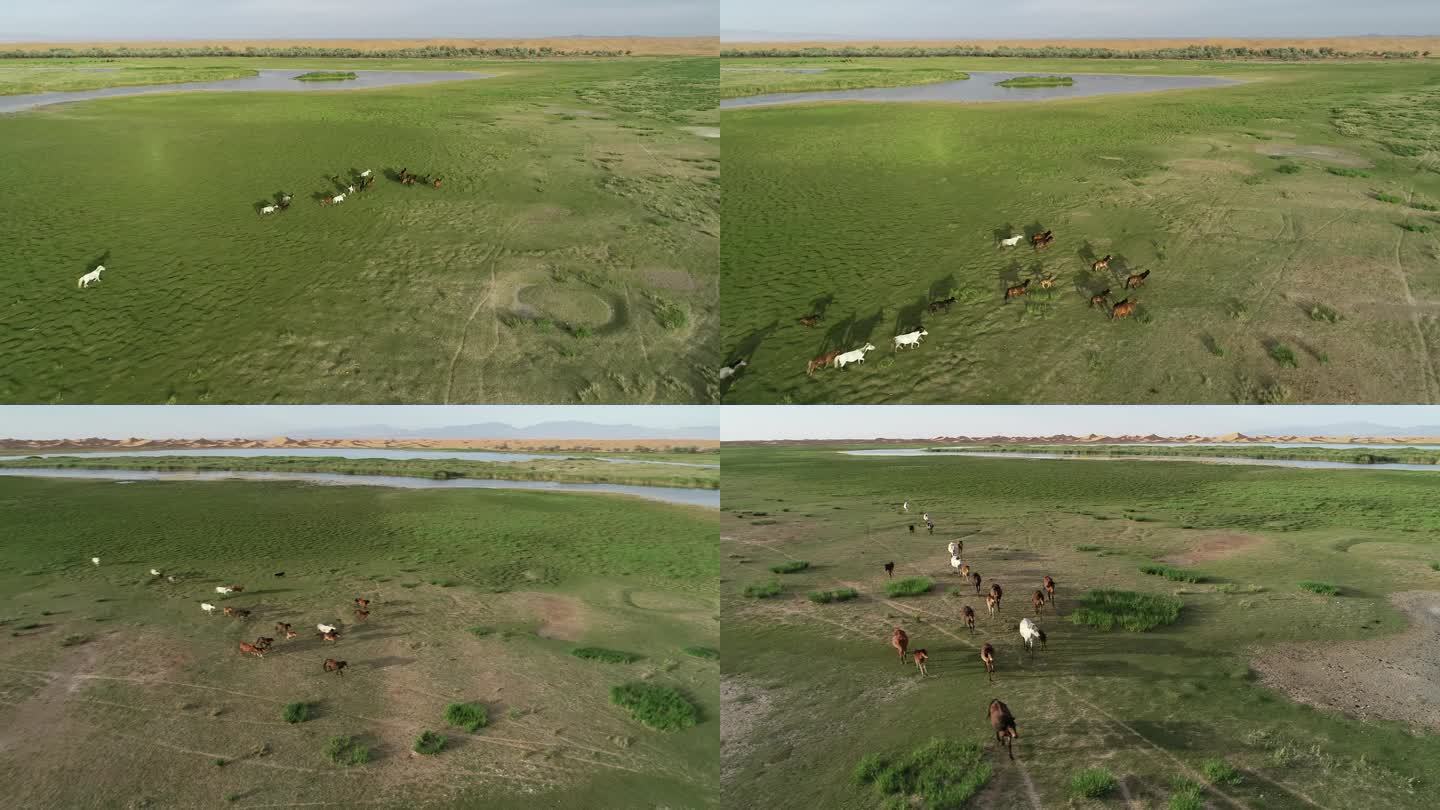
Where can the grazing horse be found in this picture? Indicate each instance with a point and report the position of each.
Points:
(1134, 280)
(821, 362)
(809, 321)
(1047, 283)
(726, 372)
(967, 614)
(1101, 264)
(258, 652)
(1049, 588)
(1017, 290)
(89, 278)
(408, 180)
(944, 304)
(987, 655)
(1124, 309)
(1100, 299)
(337, 667)
(920, 657)
(890, 569)
(1004, 724)
(1038, 600)
(975, 580)
(900, 642)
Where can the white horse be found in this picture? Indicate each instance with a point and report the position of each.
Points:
(1030, 632)
(856, 356)
(1012, 241)
(269, 209)
(910, 338)
(154, 572)
(350, 189)
(730, 371)
(905, 507)
(954, 548)
(325, 628)
(95, 560)
(365, 173)
(956, 562)
(207, 607)
(90, 277)
(338, 198)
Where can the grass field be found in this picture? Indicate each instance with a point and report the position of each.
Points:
(478, 599)
(753, 77)
(1348, 455)
(575, 471)
(813, 696)
(570, 255)
(1360, 44)
(1287, 222)
(81, 74)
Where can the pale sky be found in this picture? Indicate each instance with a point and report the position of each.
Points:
(247, 421)
(760, 422)
(1074, 19)
(351, 19)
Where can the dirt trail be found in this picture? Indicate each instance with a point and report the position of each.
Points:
(1393, 678)
(42, 710)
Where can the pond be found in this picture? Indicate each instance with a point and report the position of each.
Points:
(267, 81)
(705, 498)
(346, 452)
(1263, 462)
(981, 87)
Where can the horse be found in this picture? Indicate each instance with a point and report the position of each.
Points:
(900, 642)
(821, 362)
(1017, 290)
(91, 277)
(1134, 280)
(1100, 299)
(1124, 309)
(1101, 264)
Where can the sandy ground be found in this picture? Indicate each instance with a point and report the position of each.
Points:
(1347, 44)
(1393, 678)
(1214, 547)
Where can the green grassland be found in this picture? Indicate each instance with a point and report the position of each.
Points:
(120, 692)
(572, 471)
(51, 76)
(812, 693)
(326, 76)
(570, 255)
(1287, 223)
(1345, 455)
(744, 77)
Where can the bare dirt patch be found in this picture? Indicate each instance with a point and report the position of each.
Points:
(561, 617)
(1324, 154)
(1214, 547)
(1395, 678)
(743, 709)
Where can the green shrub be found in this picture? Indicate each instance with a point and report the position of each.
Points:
(1091, 783)
(1415, 227)
(1220, 772)
(942, 773)
(607, 656)
(1320, 312)
(1187, 796)
(659, 707)
(1388, 198)
(909, 586)
(1088, 547)
(469, 716)
(1172, 573)
(347, 751)
(763, 590)
(1435, 566)
(669, 314)
(789, 567)
(1282, 354)
(837, 595)
(1322, 588)
(296, 712)
(481, 632)
(1134, 612)
(709, 653)
(1288, 168)
(74, 640)
(1346, 172)
(429, 742)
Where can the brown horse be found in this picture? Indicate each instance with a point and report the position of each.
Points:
(967, 613)
(332, 635)
(1047, 283)
(991, 603)
(890, 569)
(1017, 290)
(337, 667)
(1041, 238)
(1124, 309)
(258, 652)
(1049, 588)
(975, 580)
(283, 628)
(1038, 600)
(900, 642)
(821, 362)
(238, 613)
(436, 182)
(987, 655)
(810, 321)
(363, 604)
(997, 592)
(1101, 264)
(920, 657)
(1134, 280)
(1100, 299)
(965, 571)
(1004, 724)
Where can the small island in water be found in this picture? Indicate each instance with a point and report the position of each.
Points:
(325, 76)
(1037, 81)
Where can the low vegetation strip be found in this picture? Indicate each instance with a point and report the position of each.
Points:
(942, 773)
(571, 471)
(789, 567)
(605, 656)
(659, 707)
(1037, 81)
(469, 716)
(837, 595)
(426, 52)
(325, 76)
(1172, 573)
(1345, 455)
(23, 81)
(1127, 610)
(741, 80)
(1322, 588)
(762, 590)
(909, 586)
(1206, 52)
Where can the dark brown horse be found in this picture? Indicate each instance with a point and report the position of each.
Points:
(1017, 290)
(1004, 724)
(1134, 280)
(1124, 309)
(900, 642)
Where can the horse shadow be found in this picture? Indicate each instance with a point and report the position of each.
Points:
(908, 316)
(279, 196)
(863, 329)
(320, 196)
(98, 261)
(837, 334)
(1087, 254)
(940, 288)
(1088, 283)
(1010, 275)
(748, 345)
(340, 185)
(392, 174)
(1120, 265)
(821, 303)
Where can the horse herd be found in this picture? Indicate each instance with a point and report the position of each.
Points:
(1002, 719)
(1101, 299)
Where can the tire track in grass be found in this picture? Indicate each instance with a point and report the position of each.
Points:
(490, 257)
(1412, 309)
